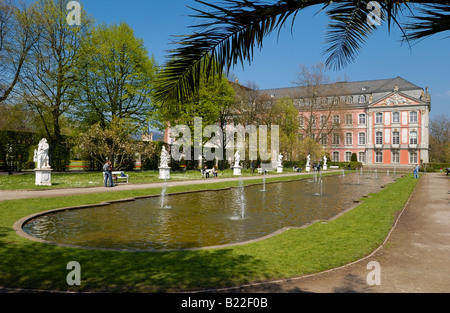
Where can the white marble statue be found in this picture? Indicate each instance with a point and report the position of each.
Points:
(237, 158)
(308, 159)
(280, 159)
(324, 160)
(164, 160)
(41, 154)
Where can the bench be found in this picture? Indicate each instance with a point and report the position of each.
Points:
(261, 170)
(334, 166)
(118, 175)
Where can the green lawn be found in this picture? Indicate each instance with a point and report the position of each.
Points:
(28, 264)
(76, 179)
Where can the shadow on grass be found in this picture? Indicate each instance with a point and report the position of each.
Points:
(40, 266)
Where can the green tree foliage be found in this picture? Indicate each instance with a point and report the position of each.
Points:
(214, 103)
(115, 76)
(114, 143)
(284, 114)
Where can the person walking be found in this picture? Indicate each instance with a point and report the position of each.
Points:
(107, 173)
(416, 171)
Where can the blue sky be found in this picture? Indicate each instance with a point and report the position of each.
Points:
(383, 56)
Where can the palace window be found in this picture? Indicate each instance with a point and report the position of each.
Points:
(348, 138)
(396, 117)
(396, 138)
(413, 138)
(378, 157)
(348, 156)
(335, 156)
(312, 121)
(323, 120)
(413, 117)
(362, 99)
(335, 139)
(395, 157)
(379, 138)
(362, 157)
(323, 139)
(379, 118)
(361, 138)
(413, 157)
(362, 119)
(348, 119)
(336, 119)
(301, 120)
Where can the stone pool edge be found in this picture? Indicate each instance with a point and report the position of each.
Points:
(18, 225)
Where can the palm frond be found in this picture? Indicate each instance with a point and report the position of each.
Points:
(227, 37)
(347, 32)
(434, 19)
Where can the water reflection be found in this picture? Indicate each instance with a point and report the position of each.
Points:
(205, 218)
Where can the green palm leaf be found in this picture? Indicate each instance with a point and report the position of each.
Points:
(228, 37)
(233, 29)
(347, 32)
(435, 19)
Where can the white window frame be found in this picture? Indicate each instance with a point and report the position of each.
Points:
(349, 142)
(360, 137)
(395, 139)
(395, 157)
(413, 117)
(362, 157)
(334, 154)
(378, 118)
(362, 116)
(413, 157)
(379, 138)
(413, 139)
(395, 117)
(378, 157)
(349, 119)
(348, 156)
(336, 140)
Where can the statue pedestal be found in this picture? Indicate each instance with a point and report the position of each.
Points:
(308, 168)
(164, 172)
(325, 167)
(43, 176)
(279, 169)
(237, 170)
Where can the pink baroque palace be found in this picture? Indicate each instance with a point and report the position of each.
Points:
(384, 122)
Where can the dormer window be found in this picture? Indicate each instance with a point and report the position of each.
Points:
(362, 99)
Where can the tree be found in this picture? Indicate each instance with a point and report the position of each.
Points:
(284, 114)
(229, 32)
(115, 76)
(322, 107)
(309, 146)
(252, 104)
(16, 39)
(214, 103)
(440, 138)
(49, 74)
(114, 143)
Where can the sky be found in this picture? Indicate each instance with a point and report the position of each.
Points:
(425, 64)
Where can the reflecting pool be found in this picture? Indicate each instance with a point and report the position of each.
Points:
(206, 218)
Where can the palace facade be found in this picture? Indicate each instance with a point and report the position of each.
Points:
(384, 122)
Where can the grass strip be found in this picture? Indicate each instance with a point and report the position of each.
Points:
(321, 246)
